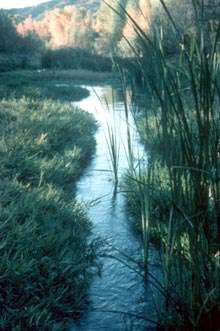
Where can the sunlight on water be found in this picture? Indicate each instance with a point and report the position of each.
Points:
(120, 293)
(106, 104)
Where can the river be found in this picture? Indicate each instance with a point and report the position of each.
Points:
(121, 299)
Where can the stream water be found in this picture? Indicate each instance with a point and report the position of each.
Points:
(121, 296)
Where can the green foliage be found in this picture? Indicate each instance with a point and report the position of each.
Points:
(18, 86)
(75, 58)
(12, 42)
(9, 38)
(180, 128)
(31, 82)
(17, 51)
(45, 258)
(184, 17)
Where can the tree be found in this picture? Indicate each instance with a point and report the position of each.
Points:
(9, 38)
(12, 42)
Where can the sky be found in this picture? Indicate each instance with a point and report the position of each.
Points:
(19, 3)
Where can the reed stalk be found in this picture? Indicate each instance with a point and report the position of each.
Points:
(182, 132)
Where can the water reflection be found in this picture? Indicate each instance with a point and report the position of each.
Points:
(121, 293)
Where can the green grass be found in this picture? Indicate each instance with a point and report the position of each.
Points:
(46, 255)
(19, 85)
(56, 76)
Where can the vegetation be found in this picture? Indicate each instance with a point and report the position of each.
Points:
(64, 35)
(60, 85)
(46, 255)
(11, 41)
(180, 128)
(90, 25)
(26, 46)
(75, 58)
(36, 86)
(17, 51)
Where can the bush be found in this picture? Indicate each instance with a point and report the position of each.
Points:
(70, 58)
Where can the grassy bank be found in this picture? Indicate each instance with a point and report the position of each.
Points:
(49, 76)
(17, 88)
(46, 256)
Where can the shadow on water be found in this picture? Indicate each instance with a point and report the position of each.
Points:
(121, 294)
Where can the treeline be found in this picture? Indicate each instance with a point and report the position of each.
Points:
(75, 58)
(12, 42)
(81, 38)
(101, 30)
(71, 37)
(17, 51)
(29, 51)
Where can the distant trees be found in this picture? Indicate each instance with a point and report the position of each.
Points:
(12, 42)
(82, 32)
(17, 51)
(104, 26)
(139, 11)
(9, 37)
(103, 31)
(75, 58)
(75, 26)
(119, 21)
(67, 27)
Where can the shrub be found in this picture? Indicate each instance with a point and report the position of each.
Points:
(75, 58)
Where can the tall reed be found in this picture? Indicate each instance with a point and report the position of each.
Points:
(138, 177)
(186, 134)
(112, 141)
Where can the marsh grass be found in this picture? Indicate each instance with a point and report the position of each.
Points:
(181, 130)
(46, 255)
(59, 76)
(113, 143)
(17, 86)
(137, 182)
(113, 149)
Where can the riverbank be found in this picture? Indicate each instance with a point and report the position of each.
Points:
(70, 77)
(46, 256)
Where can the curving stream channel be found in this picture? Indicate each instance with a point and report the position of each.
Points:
(121, 296)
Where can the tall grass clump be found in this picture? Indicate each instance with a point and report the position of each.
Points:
(136, 184)
(180, 127)
(46, 256)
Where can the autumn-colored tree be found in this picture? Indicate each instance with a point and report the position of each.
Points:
(70, 26)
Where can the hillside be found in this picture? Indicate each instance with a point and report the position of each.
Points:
(89, 24)
(37, 12)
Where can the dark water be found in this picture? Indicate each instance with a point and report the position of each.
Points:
(120, 293)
